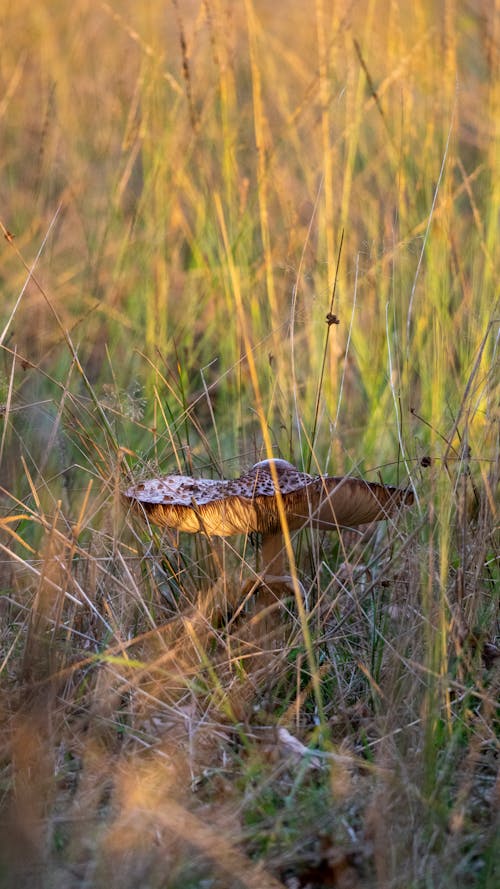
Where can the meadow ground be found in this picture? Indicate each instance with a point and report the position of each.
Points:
(230, 230)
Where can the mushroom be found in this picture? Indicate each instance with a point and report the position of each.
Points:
(250, 504)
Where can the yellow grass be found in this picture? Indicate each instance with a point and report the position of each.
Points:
(186, 191)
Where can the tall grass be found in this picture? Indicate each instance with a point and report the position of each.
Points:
(186, 192)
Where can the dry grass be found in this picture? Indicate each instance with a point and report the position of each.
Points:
(177, 182)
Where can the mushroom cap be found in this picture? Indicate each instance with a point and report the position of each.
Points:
(249, 503)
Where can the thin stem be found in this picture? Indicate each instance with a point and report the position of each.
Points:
(273, 554)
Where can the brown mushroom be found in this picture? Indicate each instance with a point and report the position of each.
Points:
(250, 504)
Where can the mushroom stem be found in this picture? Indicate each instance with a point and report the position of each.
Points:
(273, 554)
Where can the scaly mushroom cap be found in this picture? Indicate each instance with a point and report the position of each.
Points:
(248, 504)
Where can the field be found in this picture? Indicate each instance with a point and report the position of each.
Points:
(233, 230)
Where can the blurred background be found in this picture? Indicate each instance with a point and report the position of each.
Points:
(166, 161)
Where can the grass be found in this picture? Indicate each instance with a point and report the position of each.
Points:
(186, 192)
